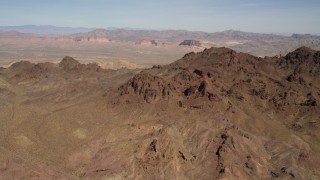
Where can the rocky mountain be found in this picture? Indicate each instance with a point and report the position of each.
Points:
(216, 114)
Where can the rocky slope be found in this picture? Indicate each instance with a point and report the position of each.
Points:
(216, 114)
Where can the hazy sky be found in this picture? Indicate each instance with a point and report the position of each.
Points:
(298, 16)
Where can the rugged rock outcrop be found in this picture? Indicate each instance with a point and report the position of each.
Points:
(151, 88)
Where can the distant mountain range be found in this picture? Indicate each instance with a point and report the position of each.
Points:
(224, 38)
(259, 44)
(46, 30)
(55, 30)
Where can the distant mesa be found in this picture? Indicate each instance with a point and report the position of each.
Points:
(190, 43)
(148, 42)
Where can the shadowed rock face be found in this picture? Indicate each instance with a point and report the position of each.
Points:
(151, 88)
(217, 114)
(185, 84)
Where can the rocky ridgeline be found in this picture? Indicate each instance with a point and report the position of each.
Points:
(219, 73)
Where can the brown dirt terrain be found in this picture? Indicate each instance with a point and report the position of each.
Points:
(216, 114)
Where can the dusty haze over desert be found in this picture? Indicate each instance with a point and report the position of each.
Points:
(147, 89)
